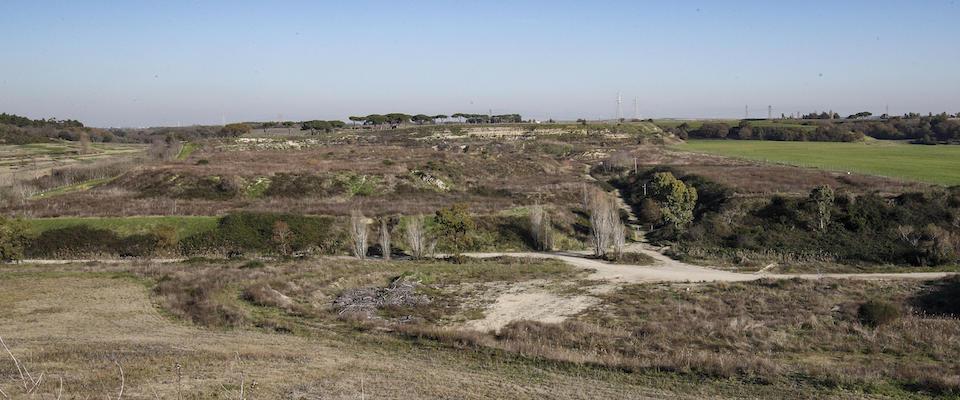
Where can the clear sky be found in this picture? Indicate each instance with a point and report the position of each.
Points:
(138, 63)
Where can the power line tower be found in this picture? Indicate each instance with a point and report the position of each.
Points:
(769, 112)
(636, 108)
(746, 111)
(619, 106)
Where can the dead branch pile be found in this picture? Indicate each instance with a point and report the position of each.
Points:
(365, 301)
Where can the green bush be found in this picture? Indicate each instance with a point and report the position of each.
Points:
(14, 236)
(254, 232)
(877, 312)
(82, 240)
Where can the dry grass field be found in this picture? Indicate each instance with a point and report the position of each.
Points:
(755, 340)
(408, 172)
(277, 327)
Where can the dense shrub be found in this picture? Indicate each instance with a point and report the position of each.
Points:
(877, 312)
(921, 229)
(297, 185)
(82, 240)
(254, 232)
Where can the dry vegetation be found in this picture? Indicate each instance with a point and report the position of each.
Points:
(408, 172)
(198, 327)
(787, 338)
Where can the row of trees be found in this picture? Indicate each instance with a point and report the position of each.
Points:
(823, 132)
(395, 119)
(23, 122)
(319, 125)
(931, 129)
(452, 224)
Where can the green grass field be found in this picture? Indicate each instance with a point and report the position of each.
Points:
(931, 164)
(187, 149)
(186, 225)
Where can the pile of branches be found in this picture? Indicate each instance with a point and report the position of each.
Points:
(366, 301)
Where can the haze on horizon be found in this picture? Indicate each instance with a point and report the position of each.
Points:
(137, 64)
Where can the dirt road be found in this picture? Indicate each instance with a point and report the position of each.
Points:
(539, 305)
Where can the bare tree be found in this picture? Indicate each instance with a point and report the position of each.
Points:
(619, 234)
(358, 233)
(418, 240)
(603, 218)
(281, 237)
(385, 237)
(540, 228)
(85, 147)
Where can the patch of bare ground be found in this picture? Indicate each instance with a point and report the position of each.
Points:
(535, 300)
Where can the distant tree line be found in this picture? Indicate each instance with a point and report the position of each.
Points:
(22, 122)
(825, 132)
(397, 119)
(931, 129)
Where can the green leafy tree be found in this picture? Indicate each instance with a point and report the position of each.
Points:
(315, 125)
(14, 236)
(822, 198)
(421, 119)
(375, 119)
(398, 118)
(675, 198)
(454, 225)
(235, 130)
(440, 117)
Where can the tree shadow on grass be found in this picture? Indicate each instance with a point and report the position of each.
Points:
(941, 298)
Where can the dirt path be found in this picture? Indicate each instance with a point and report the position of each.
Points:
(525, 303)
(540, 305)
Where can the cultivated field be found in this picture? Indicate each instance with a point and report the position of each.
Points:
(931, 164)
(28, 161)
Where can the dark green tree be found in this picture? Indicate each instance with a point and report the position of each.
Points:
(235, 130)
(375, 120)
(454, 225)
(398, 118)
(421, 119)
(675, 198)
(14, 236)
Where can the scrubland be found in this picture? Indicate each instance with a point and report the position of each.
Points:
(258, 228)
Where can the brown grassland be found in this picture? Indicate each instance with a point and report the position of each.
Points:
(268, 327)
(786, 339)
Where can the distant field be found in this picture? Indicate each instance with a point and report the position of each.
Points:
(186, 225)
(931, 164)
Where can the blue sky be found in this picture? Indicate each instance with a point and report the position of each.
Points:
(137, 63)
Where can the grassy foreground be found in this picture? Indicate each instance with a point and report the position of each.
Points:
(931, 164)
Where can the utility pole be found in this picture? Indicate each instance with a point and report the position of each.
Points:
(746, 111)
(769, 112)
(636, 109)
(619, 106)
